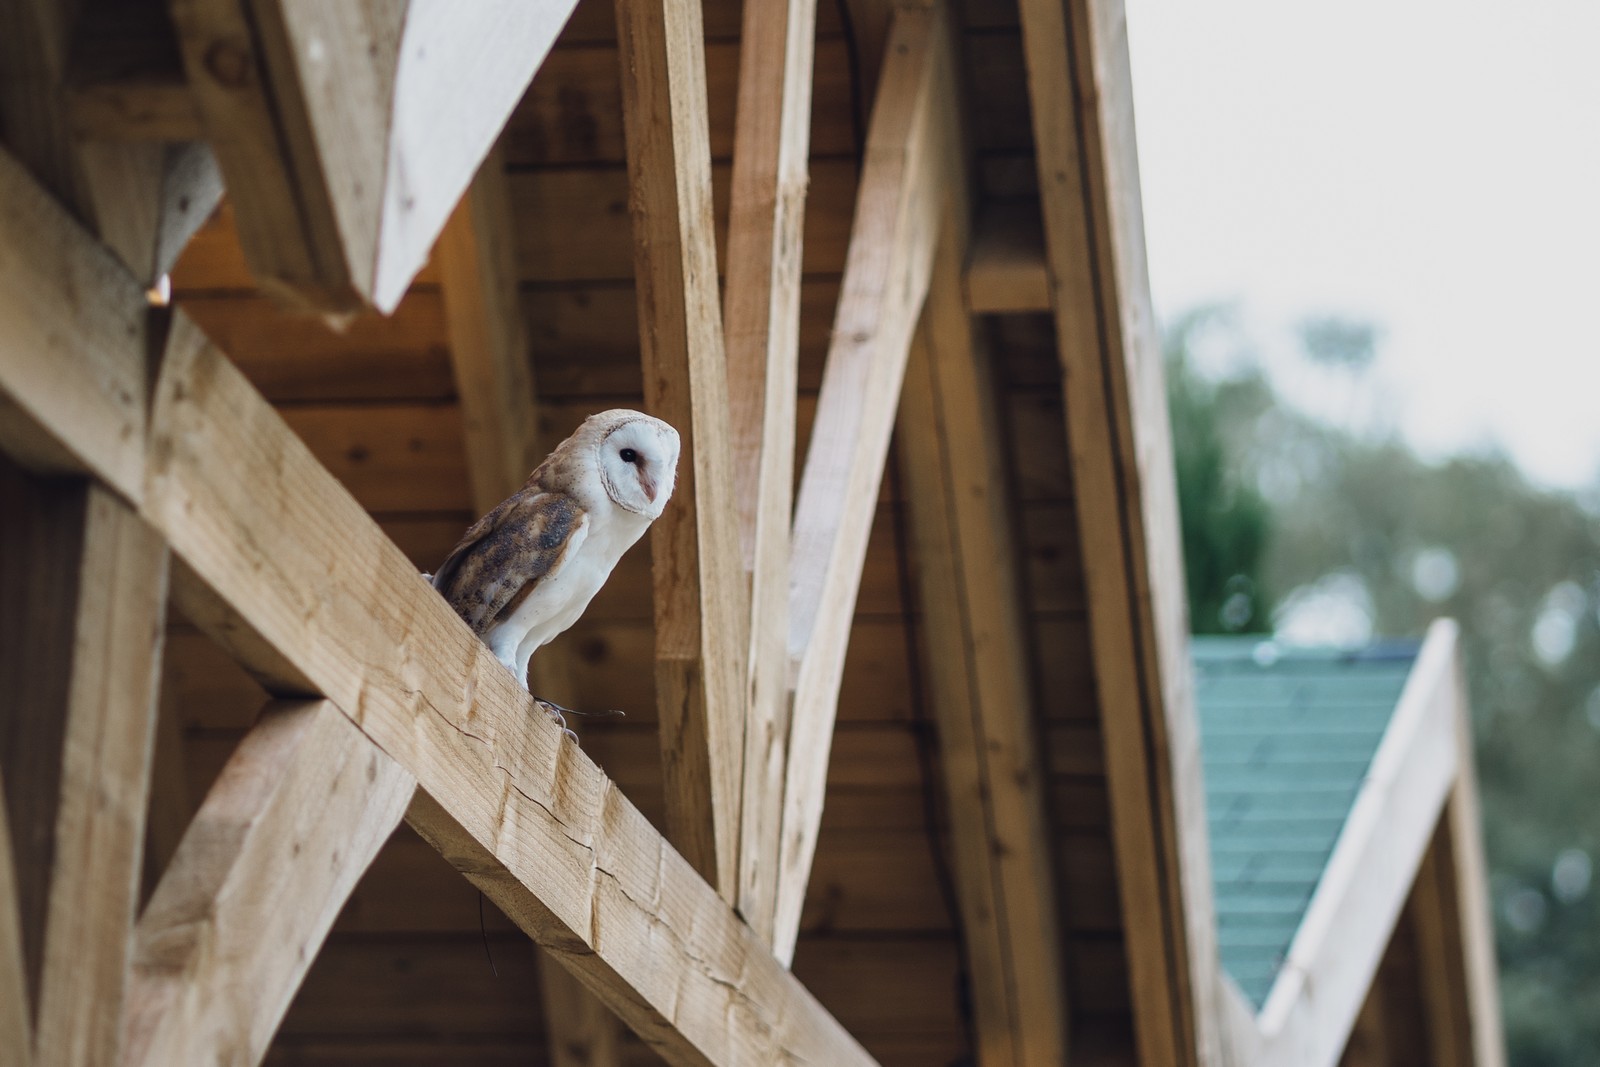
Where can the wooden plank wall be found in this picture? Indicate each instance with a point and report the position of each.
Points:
(404, 978)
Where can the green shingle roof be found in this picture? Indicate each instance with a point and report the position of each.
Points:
(1286, 735)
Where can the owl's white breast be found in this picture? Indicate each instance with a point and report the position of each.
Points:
(561, 596)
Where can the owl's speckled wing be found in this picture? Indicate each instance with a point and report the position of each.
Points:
(507, 553)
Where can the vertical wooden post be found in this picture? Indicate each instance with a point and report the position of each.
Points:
(701, 605)
(762, 317)
(82, 611)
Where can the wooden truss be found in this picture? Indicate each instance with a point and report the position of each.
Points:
(163, 471)
(387, 707)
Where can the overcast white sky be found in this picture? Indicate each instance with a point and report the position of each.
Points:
(1431, 166)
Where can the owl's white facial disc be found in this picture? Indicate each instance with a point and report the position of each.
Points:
(639, 465)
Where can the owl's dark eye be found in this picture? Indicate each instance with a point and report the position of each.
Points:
(629, 456)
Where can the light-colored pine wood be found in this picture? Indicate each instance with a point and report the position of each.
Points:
(294, 820)
(310, 576)
(1006, 271)
(950, 445)
(908, 164)
(488, 344)
(16, 1026)
(1126, 504)
(1353, 910)
(701, 603)
(82, 615)
(762, 320)
(348, 132)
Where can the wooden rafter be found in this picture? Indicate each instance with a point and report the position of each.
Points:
(298, 814)
(1126, 502)
(82, 611)
(909, 157)
(971, 607)
(762, 320)
(313, 589)
(490, 360)
(701, 604)
(348, 132)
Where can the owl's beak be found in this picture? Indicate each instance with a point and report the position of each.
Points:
(649, 485)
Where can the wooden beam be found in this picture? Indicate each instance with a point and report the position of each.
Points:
(1119, 437)
(294, 820)
(16, 1024)
(489, 358)
(1330, 964)
(1455, 929)
(951, 437)
(701, 604)
(82, 615)
(771, 157)
(144, 200)
(488, 340)
(1006, 272)
(309, 576)
(349, 132)
(909, 159)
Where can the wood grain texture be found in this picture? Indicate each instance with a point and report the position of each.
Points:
(908, 163)
(527, 810)
(293, 821)
(976, 653)
(309, 576)
(1119, 438)
(488, 345)
(348, 132)
(82, 611)
(701, 603)
(1330, 964)
(762, 320)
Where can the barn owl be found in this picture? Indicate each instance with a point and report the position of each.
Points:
(525, 572)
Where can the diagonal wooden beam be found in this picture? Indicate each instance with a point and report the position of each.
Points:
(294, 820)
(761, 315)
(16, 1025)
(144, 200)
(309, 576)
(348, 132)
(1119, 437)
(909, 159)
(701, 604)
(82, 614)
(951, 433)
(490, 359)
(1335, 953)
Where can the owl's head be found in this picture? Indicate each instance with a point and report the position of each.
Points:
(637, 456)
